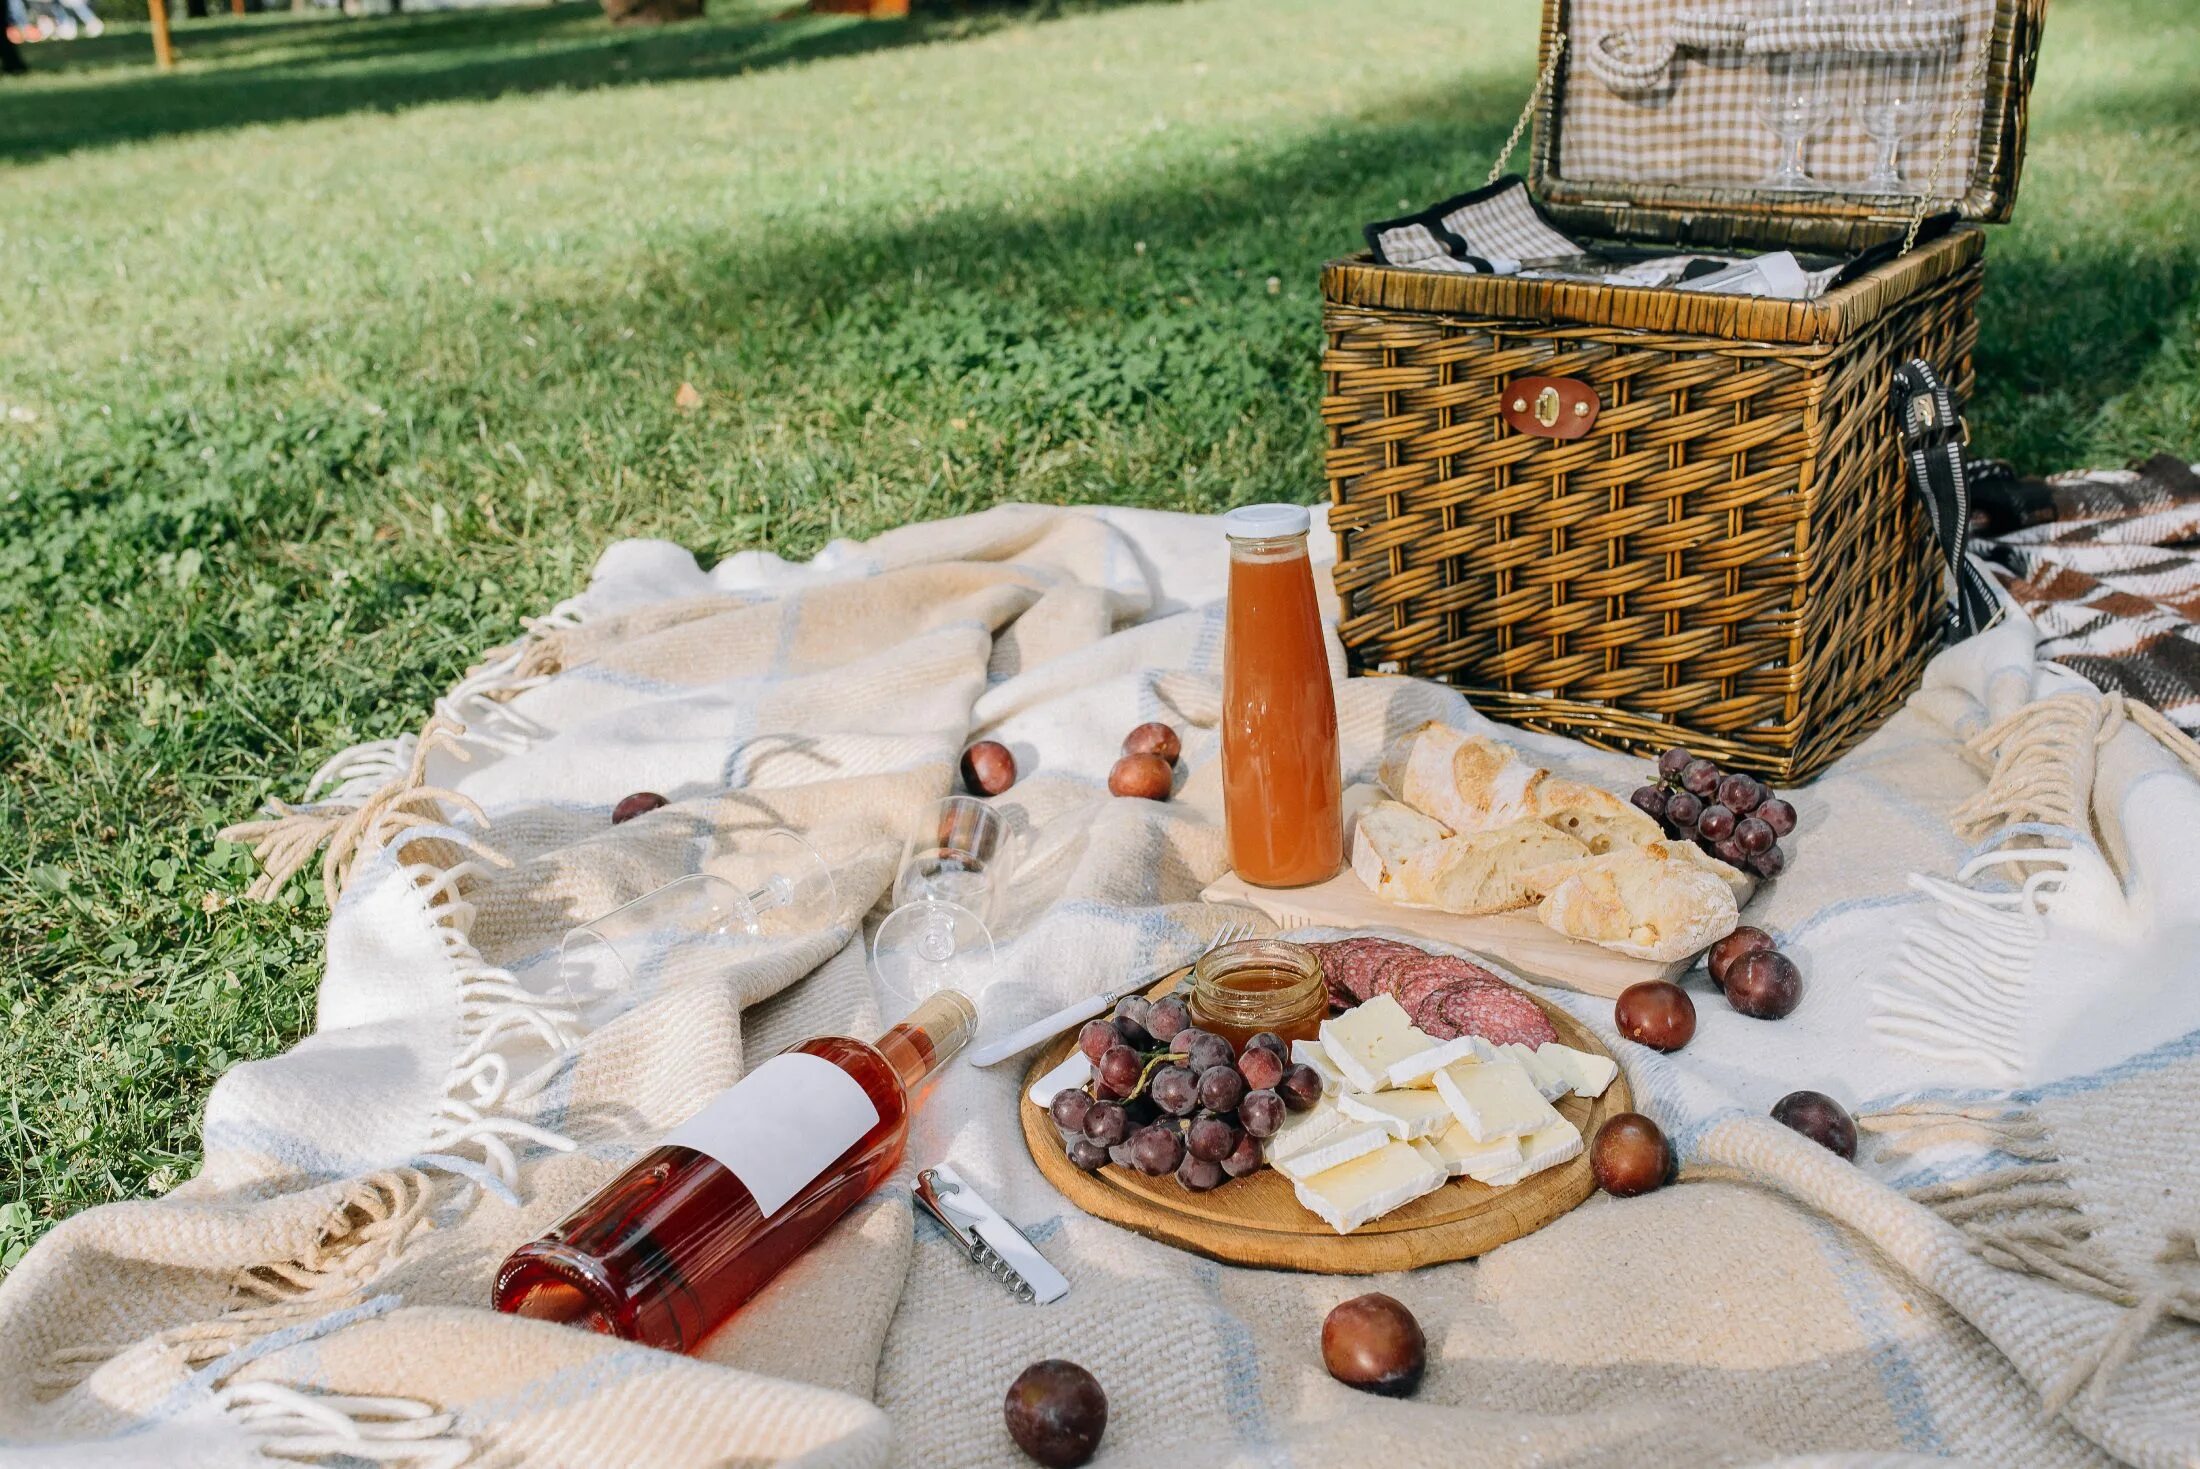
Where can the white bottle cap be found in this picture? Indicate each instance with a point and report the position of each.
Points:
(1266, 522)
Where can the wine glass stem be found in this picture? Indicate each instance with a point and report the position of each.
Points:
(937, 940)
(1791, 155)
(1890, 153)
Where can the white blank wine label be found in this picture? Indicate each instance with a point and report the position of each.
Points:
(780, 1126)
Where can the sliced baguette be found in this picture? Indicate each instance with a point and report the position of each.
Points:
(1385, 836)
(1650, 902)
(1740, 883)
(1486, 871)
(1468, 782)
(1597, 819)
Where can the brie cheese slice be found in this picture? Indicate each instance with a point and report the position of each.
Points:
(1302, 1130)
(1587, 1074)
(1419, 1068)
(1311, 1053)
(1551, 1081)
(1364, 1041)
(1405, 1115)
(1349, 1139)
(1494, 1099)
(1546, 1147)
(1463, 1157)
(1369, 1187)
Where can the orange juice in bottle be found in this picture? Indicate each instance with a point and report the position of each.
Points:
(1281, 782)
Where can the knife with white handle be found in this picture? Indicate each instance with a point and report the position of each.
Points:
(1086, 1009)
(1091, 1007)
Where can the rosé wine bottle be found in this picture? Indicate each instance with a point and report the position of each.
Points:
(675, 1245)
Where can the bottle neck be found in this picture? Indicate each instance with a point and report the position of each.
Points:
(928, 1037)
(1268, 548)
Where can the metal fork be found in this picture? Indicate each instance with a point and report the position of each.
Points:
(1093, 1005)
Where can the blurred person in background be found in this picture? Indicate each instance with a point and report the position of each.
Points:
(73, 18)
(11, 18)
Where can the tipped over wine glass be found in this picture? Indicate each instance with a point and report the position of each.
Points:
(955, 863)
(778, 887)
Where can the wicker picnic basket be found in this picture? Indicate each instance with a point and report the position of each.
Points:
(1729, 557)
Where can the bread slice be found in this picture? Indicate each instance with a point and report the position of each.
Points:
(1487, 871)
(1650, 901)
(1597, 819)
(1384, 836)
(1740, 883)
(1468, 782)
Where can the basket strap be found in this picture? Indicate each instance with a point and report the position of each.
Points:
(1933, 436)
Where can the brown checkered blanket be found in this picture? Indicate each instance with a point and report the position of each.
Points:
(2107, 563)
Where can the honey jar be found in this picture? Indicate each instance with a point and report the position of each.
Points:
(1241, 989)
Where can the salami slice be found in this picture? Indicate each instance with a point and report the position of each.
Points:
(1430, 1016)
(1405, 968)
(1410, 983)
(1360, 964)
(1417, 986)
(1499, 1014)
(1340, 961)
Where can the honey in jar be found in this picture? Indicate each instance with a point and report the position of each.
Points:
(1242, 989)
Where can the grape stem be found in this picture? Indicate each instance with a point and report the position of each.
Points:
(1155, 1060)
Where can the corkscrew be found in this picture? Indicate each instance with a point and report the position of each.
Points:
(994, 1245)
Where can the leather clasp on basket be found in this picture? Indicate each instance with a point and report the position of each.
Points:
(1550, 407)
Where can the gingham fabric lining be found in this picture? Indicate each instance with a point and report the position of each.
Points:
(1699, 122)
(1879, 34)
(1500, 223)
(1413, 245)
(1883, 33)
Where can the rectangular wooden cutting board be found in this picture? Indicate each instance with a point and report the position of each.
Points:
(1518, 940)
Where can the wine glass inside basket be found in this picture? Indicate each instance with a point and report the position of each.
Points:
(1797, 98)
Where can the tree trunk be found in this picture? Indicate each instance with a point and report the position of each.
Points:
(196, 9)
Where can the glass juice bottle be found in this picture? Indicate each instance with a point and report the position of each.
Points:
(680, 1241)
(1282, 787)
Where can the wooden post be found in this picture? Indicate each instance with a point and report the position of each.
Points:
(164, 54)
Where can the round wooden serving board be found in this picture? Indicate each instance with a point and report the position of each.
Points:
(1258, 1220)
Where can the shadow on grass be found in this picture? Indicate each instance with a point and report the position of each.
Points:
(1075, 327)
(2076, 311)
(1054, 319)
(276, 69)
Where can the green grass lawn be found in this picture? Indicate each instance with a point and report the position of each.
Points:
(329, 356)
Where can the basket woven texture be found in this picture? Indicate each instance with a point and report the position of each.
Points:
(1729, 559)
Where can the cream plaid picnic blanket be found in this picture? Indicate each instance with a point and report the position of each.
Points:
(2007, 1277)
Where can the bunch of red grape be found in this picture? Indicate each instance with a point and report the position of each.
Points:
(1167, 1096)
(1734, 817)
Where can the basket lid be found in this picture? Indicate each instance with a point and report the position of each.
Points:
(1657, 119)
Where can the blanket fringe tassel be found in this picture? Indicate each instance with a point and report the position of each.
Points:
(313, 1426)
(2029, 1218)
(363, 792)
(371, 798)
(366, 1232)
(475, 1139)
(1958, 987)
(1958, 984)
